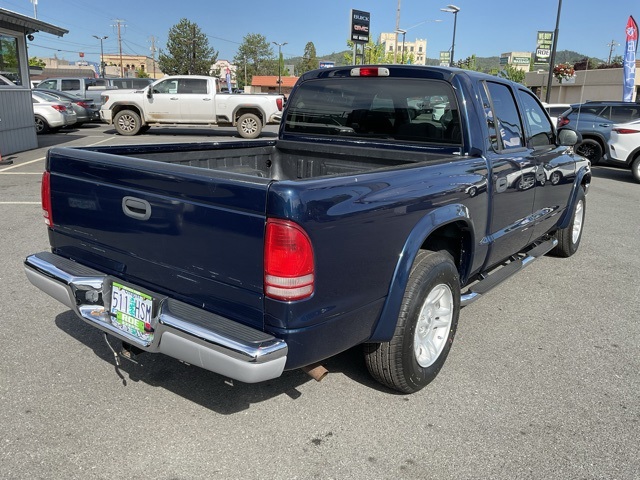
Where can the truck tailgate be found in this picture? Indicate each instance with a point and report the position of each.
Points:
(196, 232)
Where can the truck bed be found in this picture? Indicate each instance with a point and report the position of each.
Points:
(281, 160)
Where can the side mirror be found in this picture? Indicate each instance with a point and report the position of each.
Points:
(568, 137)
(149, 92)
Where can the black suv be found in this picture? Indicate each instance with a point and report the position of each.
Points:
(594, 121)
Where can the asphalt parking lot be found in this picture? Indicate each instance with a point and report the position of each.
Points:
(543, 381)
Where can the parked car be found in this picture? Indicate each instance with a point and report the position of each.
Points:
(85, 108)
(50, 113)
(555, 110)
(5, 82)
(624, 147)
(594, 121)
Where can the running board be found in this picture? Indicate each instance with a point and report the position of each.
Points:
(501, 274)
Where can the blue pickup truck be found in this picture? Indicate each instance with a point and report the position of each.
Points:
(392, 197)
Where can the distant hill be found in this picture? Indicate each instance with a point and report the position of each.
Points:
(484, 64)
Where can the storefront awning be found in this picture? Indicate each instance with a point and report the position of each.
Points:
(14, 21)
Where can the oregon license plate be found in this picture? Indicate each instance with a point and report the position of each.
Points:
(132, 311)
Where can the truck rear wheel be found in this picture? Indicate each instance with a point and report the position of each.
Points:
(127, 122)
(569, 238)
(426, 326)
(249, 126)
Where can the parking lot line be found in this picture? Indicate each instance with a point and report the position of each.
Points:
(22, 164)
(20, 203)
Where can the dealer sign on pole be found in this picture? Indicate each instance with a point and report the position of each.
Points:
(360, 26)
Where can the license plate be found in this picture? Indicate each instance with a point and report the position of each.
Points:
(132, 311)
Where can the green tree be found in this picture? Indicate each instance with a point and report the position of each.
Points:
(373, 54)
(512, 73)
(255, 57)
(37, 62)
(188, 51)
(141, 73)
(309, 59)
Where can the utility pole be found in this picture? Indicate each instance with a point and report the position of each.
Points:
(552, 60)
(118, 24)
(395, 41)
(193, 50)
(611, 46)
(153, 54)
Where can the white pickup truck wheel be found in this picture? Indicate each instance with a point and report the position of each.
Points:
(425, 329)
(249, 126)
(127, 122)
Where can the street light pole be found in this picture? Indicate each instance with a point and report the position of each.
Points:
(404, 33)
(280, 45)
(101, 54)
(452, 9)
(552, 60)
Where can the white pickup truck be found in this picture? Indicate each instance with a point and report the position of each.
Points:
(188, 100)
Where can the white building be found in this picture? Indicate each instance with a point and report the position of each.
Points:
(219, 69)
(417, 48)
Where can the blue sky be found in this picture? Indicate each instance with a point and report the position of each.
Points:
(484, 28)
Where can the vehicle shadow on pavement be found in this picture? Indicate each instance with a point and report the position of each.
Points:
(613, 173)
(58, 138)
(195, 132)
(208, 389)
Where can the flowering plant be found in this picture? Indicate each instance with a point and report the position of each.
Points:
(563, 72)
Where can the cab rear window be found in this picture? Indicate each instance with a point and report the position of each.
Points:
(415, 110)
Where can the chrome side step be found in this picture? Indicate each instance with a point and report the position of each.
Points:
(502, 272)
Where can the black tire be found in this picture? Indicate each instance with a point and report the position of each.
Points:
(635, 168)
(420, 343)
(569, 238)
(590, 149)
(249, 126)
(127, 122)
(41, 125)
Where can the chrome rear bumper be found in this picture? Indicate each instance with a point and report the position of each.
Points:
(181, 331)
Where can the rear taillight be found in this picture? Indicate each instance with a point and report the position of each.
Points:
(562, 121)
(279, 103)
(60, 108)
(288, 261)
(45, 194)
(624, 131)
(83, 104)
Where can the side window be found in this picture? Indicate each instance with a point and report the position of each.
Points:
(70, 84)
(540, 131)
(50, 84)
(193, 85)
(506, 115)
(491, 126)
(624, 114)
(167, 86)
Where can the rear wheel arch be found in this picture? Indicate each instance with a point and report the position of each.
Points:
(123, 106)
(245, 109)
(453, 236)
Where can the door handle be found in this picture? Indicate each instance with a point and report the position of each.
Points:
(207, 99)
(136, 208)
(173, 98)
(604, 125)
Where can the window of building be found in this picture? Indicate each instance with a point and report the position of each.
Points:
(10, 59)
